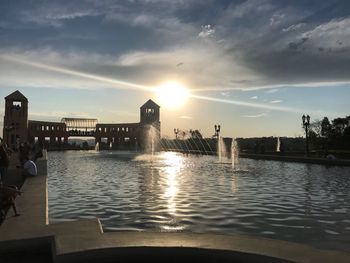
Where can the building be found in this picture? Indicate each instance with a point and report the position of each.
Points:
(18, 129)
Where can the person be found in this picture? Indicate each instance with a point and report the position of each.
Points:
(29, 168)
(331, 157)
(18, 144)
(4, 162)
(8, 195)
(38, 150)
(24, 151)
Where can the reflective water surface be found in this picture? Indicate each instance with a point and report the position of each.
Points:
(302, 203)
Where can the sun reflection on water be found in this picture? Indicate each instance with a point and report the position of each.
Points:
(173, 163)
(234, 183)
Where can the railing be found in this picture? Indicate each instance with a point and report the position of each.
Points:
(81, 133)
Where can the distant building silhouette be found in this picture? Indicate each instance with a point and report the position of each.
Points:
(18, 129)
(15, 119)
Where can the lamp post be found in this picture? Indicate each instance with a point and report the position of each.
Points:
(176, 131)
(306, 124)
(217, 131)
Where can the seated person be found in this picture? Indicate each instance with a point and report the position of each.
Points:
(331, 157)
(8, 195)
(29, 168)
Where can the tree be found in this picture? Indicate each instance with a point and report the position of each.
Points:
(326, 128)
(315, 128)
(182, 134)
(339, 125)
(346, 133)
(319, 133)
(196, 134)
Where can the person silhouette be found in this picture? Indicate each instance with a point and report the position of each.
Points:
(8, 195)
(4, 162)
(29, 168)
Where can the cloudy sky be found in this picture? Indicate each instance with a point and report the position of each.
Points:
(253, 66)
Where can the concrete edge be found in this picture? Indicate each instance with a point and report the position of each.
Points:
(258, 246)
(296, 159)
(148, 253)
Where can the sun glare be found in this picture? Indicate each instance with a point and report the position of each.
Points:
(172, 95)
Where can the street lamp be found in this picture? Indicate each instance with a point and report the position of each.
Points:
(176, 131)
(306, 124)
(217, 130)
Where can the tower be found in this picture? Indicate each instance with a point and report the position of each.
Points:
(149, 113)
(149, 125)
(15, 119)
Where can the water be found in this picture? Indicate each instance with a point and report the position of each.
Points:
(302, 203)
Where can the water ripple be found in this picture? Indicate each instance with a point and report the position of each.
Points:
(172, 193)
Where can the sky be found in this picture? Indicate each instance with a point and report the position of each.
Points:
(252, 66)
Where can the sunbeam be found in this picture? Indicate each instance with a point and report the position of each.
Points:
(247, 104)
(276, 86)
(123, 84)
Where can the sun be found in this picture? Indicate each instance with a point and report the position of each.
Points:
(172, 95)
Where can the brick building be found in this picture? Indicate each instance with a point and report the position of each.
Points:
(18, 129)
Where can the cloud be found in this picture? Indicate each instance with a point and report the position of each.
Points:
(276, 19)
(310, 49)
(46, 68)
(207, 31)
(297, 44)
(54, 70)
(331, 35)
(250, 7)
(254, 98)
(186, 117)
(262, 44)
(54, 14)
(225, 94)
(254, 116)
(276, 101)
(294, 27)
(57, 115)
(272, 90)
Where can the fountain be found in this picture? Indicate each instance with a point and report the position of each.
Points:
(219, 149)
(223, 151)
(136, 146)
(97, 146)
(211, 151)
(234, 153)
(151, 140)
(152, 145)
(278, 148)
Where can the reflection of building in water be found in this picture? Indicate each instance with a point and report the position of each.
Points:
(18, 129)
